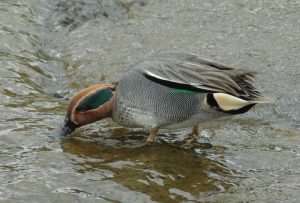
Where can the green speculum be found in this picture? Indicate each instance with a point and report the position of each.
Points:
(183, 91)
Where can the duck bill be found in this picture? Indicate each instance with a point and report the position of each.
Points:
(64, 129)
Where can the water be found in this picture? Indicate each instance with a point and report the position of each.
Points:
(49, 50)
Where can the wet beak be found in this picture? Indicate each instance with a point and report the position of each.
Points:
(65, 129)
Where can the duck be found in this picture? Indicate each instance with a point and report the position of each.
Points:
(166, 91)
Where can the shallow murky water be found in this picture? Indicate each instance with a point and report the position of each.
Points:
(51, 49)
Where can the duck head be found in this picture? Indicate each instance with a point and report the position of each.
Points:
(87, 106)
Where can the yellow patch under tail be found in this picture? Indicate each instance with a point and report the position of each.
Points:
(227, 102)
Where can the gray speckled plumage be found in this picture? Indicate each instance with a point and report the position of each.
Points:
(144, 97)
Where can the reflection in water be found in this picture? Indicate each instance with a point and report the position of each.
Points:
(162, 171)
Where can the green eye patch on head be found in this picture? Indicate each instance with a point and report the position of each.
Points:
(94, 100)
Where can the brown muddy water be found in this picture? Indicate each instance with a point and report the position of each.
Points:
(51, 49)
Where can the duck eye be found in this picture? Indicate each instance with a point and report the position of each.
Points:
(82, 108)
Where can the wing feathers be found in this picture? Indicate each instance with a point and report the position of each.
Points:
(192, 73)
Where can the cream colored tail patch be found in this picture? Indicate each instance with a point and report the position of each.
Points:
(228, 102)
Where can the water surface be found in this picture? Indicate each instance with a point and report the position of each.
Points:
(50, 50)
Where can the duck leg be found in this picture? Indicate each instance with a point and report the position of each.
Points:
(152, 135)
(192, 136)
(195, 130)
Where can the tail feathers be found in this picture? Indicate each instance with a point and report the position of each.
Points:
(245, 80)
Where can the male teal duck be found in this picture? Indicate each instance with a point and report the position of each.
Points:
(174, 90)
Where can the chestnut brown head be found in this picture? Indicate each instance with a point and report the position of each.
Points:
(87, 106)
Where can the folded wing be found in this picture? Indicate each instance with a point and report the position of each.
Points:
(189, 72)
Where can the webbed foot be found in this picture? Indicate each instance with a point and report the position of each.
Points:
(151, 137)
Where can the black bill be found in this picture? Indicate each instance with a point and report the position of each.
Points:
(63, 130)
